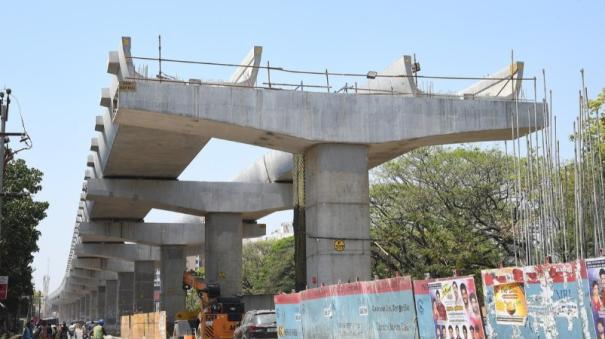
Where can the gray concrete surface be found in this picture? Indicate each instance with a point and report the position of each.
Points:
(125, 293)
(103, 264)
(93, 305)
(144, 275)
(273, 166)
(127, 252)
(101, 299)
(86, 306)
(253, 200)
(223, 252)
(111, 304)
(391, 125)
(149, 233)
(337, 208)
(171, 274)
(92, 274)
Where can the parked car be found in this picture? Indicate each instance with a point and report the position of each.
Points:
(257, 324)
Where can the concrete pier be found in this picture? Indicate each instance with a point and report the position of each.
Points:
(144, 274)
(111, 304)
(101, 302)
(125, 293)
(223, 252)
(337, 213)
(172, 266)
(93, 306)
(86, 301)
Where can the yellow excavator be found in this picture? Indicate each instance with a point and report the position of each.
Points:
(218, 316)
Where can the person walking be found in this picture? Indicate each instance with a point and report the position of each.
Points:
(27, 331)
(98, 332)
(78, 332)
(61, 331)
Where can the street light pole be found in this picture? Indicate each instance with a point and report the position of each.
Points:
(3, 116)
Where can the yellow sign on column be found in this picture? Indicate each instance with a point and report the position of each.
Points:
(339, 245)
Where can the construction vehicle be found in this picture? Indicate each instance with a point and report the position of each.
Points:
(218, 316)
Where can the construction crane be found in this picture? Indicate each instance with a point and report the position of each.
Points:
(218, 316)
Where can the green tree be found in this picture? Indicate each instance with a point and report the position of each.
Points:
(435, 209)
(192, 300)
(585, 183)
(596, 103)
(19, 235)
(268, 266)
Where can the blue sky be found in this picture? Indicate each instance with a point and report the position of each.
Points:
(54, 56)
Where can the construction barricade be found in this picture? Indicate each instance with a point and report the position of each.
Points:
(448, 308)
(562, 300)
(370, 309)
(541, 301)
(143, 326)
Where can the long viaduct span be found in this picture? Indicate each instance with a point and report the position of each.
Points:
(150, 130)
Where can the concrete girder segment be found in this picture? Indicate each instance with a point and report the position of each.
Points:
(78, 280)
(252, 200)
(143, 233)
(154, 233)
(91, 274)
(103, 264)
(138, 152)
(389, 124)
(127, 252)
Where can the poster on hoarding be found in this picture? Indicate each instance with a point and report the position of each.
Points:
(455, 308)
(511, 305)
(3, 287)
(596, 283)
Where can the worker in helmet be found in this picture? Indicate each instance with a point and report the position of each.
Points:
(98, 331)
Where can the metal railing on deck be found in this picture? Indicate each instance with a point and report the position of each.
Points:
(347, 88)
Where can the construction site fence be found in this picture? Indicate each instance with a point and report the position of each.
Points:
(143, 326)
(559, 300)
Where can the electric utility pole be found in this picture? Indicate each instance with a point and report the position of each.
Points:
(4, 117)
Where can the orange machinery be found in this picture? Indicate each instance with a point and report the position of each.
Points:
(218, 316)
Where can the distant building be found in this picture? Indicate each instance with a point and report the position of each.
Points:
(157, 290)
(286, 230)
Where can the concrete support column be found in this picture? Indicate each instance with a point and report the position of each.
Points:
(125, 293)
(223, 252)
(144, 274)
(81, 312)
(337, 213)
(93, 306)
(172, 266)
(111, 304)
(87, 306)
(101, 302)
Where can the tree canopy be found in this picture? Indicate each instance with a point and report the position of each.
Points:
(268, 266)
(19, 235)
(436, 209)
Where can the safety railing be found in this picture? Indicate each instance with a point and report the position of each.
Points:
(329, 79)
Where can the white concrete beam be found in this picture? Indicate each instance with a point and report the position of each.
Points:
(154, 233)
(253, 200)
(93, 274)
(103, 264)
(390, 124)
(128, 252)
(143, 233)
